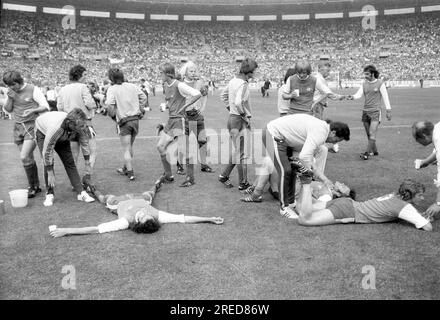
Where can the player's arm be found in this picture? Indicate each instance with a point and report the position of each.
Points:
(115, 225)
(224, 95)
(386, 100)
(8, 103)
(411, 215)
(87, 98)
(50, 140)
(110, 103)
(287, 94)
(190, 93)
(40, 99)
(60, 102)
(240, 98)
(359, 94)
(165, 217)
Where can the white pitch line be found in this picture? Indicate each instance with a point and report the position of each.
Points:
(5, 144)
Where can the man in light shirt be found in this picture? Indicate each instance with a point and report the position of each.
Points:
(306, 136)
(379, 210)
(77, 95)
(236, 96)
(284, 105)
(374, 91)
(125, 103)
(425, 133)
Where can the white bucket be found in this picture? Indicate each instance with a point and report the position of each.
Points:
(19, 198)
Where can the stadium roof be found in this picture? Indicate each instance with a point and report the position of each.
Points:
(212, 7)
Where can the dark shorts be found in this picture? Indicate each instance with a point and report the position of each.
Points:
(341, 208)
(24, 131)
(196, 124)
(129, 128)
(236, 122)
(175, 127)
(369, 116)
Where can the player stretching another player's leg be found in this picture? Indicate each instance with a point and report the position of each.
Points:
(375, 91)
(178, 96)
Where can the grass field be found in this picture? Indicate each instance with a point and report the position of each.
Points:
(256, 254)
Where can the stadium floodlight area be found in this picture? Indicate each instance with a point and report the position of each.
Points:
(237, 2)
(19, 7)
(126, 15)
(431, 8)
(399, 11)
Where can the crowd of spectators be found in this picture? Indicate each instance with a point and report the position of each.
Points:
(39, 46)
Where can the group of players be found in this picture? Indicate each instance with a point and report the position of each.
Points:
(295, 145)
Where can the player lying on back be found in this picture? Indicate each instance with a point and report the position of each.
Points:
(345, 210)
(134, 212)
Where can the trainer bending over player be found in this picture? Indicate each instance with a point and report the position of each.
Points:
(134, 212)
(345, 210)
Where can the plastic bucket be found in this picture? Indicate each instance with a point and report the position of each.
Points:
(19, 198)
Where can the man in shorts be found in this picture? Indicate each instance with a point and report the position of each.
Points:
(26, 102)
(379, 210)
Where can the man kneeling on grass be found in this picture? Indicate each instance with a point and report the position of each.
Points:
(134, 212)
(345, 210)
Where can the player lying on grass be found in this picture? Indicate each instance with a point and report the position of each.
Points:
(134, 212)
(345, 210)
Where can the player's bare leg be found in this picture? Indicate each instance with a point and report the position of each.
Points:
(374, 126)
(164, 141)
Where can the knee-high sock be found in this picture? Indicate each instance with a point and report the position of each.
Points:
(36, 179)
(370, 147)
(166, 165)
(374, 145)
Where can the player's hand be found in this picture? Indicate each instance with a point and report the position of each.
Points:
(59, 232)
(329, 185)
(27, 112)
(11, 94)
(389, 115)
(433, 210)
(51, 179)
(217, 220)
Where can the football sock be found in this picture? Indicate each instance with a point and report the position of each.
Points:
(31, 174)
(166, 165)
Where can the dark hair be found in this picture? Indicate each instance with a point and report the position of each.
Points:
(341, 129)
(12, 77)
(248, 65)
(168, 69)
(409, 188)
(372, 69)
(303, 65)
(142, 80)
(422, 128)
(116, 76)
(352, 194)
(149, 226)
(76, 72)
(289, 72)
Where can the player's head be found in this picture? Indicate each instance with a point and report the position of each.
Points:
(290, 72)
(248, 67)
(77, 73)
(13, 80)
(303, 69)
(75, 122)
(189, 71)
(167, 71)
(144, 222)
(371, 73)
(341, 190)
(411, 191)
(338, 131)
(116, 75)
(422, 132)
(324, 68)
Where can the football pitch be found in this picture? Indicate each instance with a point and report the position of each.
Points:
(256, 253)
